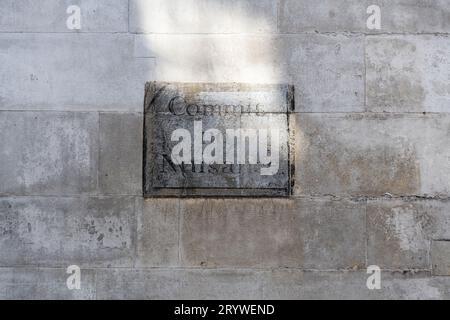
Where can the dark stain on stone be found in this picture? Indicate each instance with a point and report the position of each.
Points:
(91, 228)
(9, 224)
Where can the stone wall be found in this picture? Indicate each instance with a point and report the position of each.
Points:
(372, 142)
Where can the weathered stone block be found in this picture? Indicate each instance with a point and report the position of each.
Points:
(297, 284)
(408, 73)
(220, 284)
(413, 286)
(44, 284)
(120, 162)
(217, 139)
(372, 154)
(48, 153)
(272, 233)
(349, 15)
(51, 15)
(415, 16)
(400, 231)
(88, 72)
(58, 232)
(397, 235)
(158, 233)
(195, 284)
(178, 284)
(135, 284)
(326, 16)
(203, 16)
(327, 71)
(434, 214)
(439, 213)
(440, 258)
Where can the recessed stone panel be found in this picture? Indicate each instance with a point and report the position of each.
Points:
(205, 139)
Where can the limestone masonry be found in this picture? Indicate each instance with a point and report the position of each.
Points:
(361, 177)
